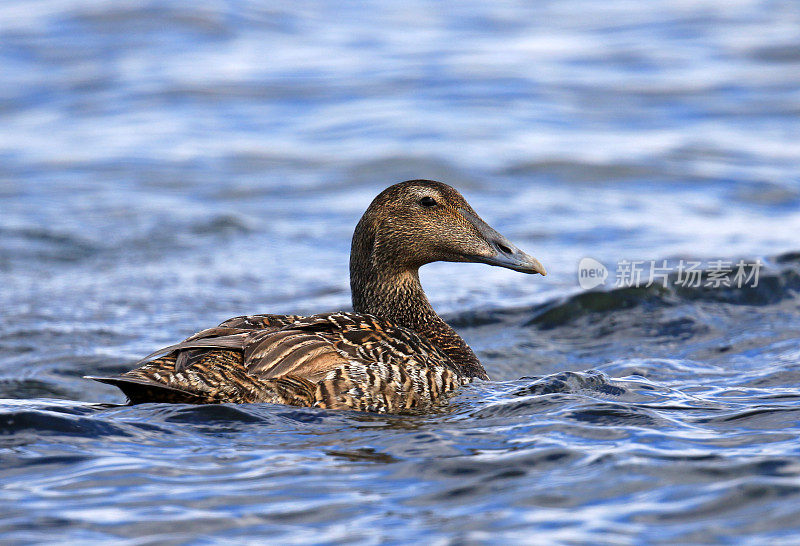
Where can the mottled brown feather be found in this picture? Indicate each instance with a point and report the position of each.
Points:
(335, 361)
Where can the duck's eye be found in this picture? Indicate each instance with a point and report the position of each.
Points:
(427, 202)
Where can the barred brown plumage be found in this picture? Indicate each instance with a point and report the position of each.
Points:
(393, 354)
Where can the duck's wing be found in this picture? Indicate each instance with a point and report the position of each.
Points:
(334, 360)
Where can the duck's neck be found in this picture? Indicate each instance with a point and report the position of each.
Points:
(395, 293)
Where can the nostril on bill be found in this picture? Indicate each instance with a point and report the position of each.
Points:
(503, 248)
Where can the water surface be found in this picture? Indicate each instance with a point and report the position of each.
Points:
(165, 166)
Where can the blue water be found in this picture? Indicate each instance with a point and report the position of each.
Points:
(167, 165)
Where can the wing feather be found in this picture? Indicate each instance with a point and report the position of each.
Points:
(334, 360)
(292, 352)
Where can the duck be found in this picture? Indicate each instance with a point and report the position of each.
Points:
(392, 354)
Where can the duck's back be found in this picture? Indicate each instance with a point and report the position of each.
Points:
(335, 360)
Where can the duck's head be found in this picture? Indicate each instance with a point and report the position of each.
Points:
(417, 222)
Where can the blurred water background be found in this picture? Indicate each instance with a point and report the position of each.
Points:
(167, 165)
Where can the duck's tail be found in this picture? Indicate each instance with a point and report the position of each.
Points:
(140, 391)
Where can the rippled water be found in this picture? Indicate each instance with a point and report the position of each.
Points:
(164, 166)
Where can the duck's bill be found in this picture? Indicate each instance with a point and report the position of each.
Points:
(517, 260)
(506, 254)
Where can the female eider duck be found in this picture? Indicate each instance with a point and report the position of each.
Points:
(392, 354)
